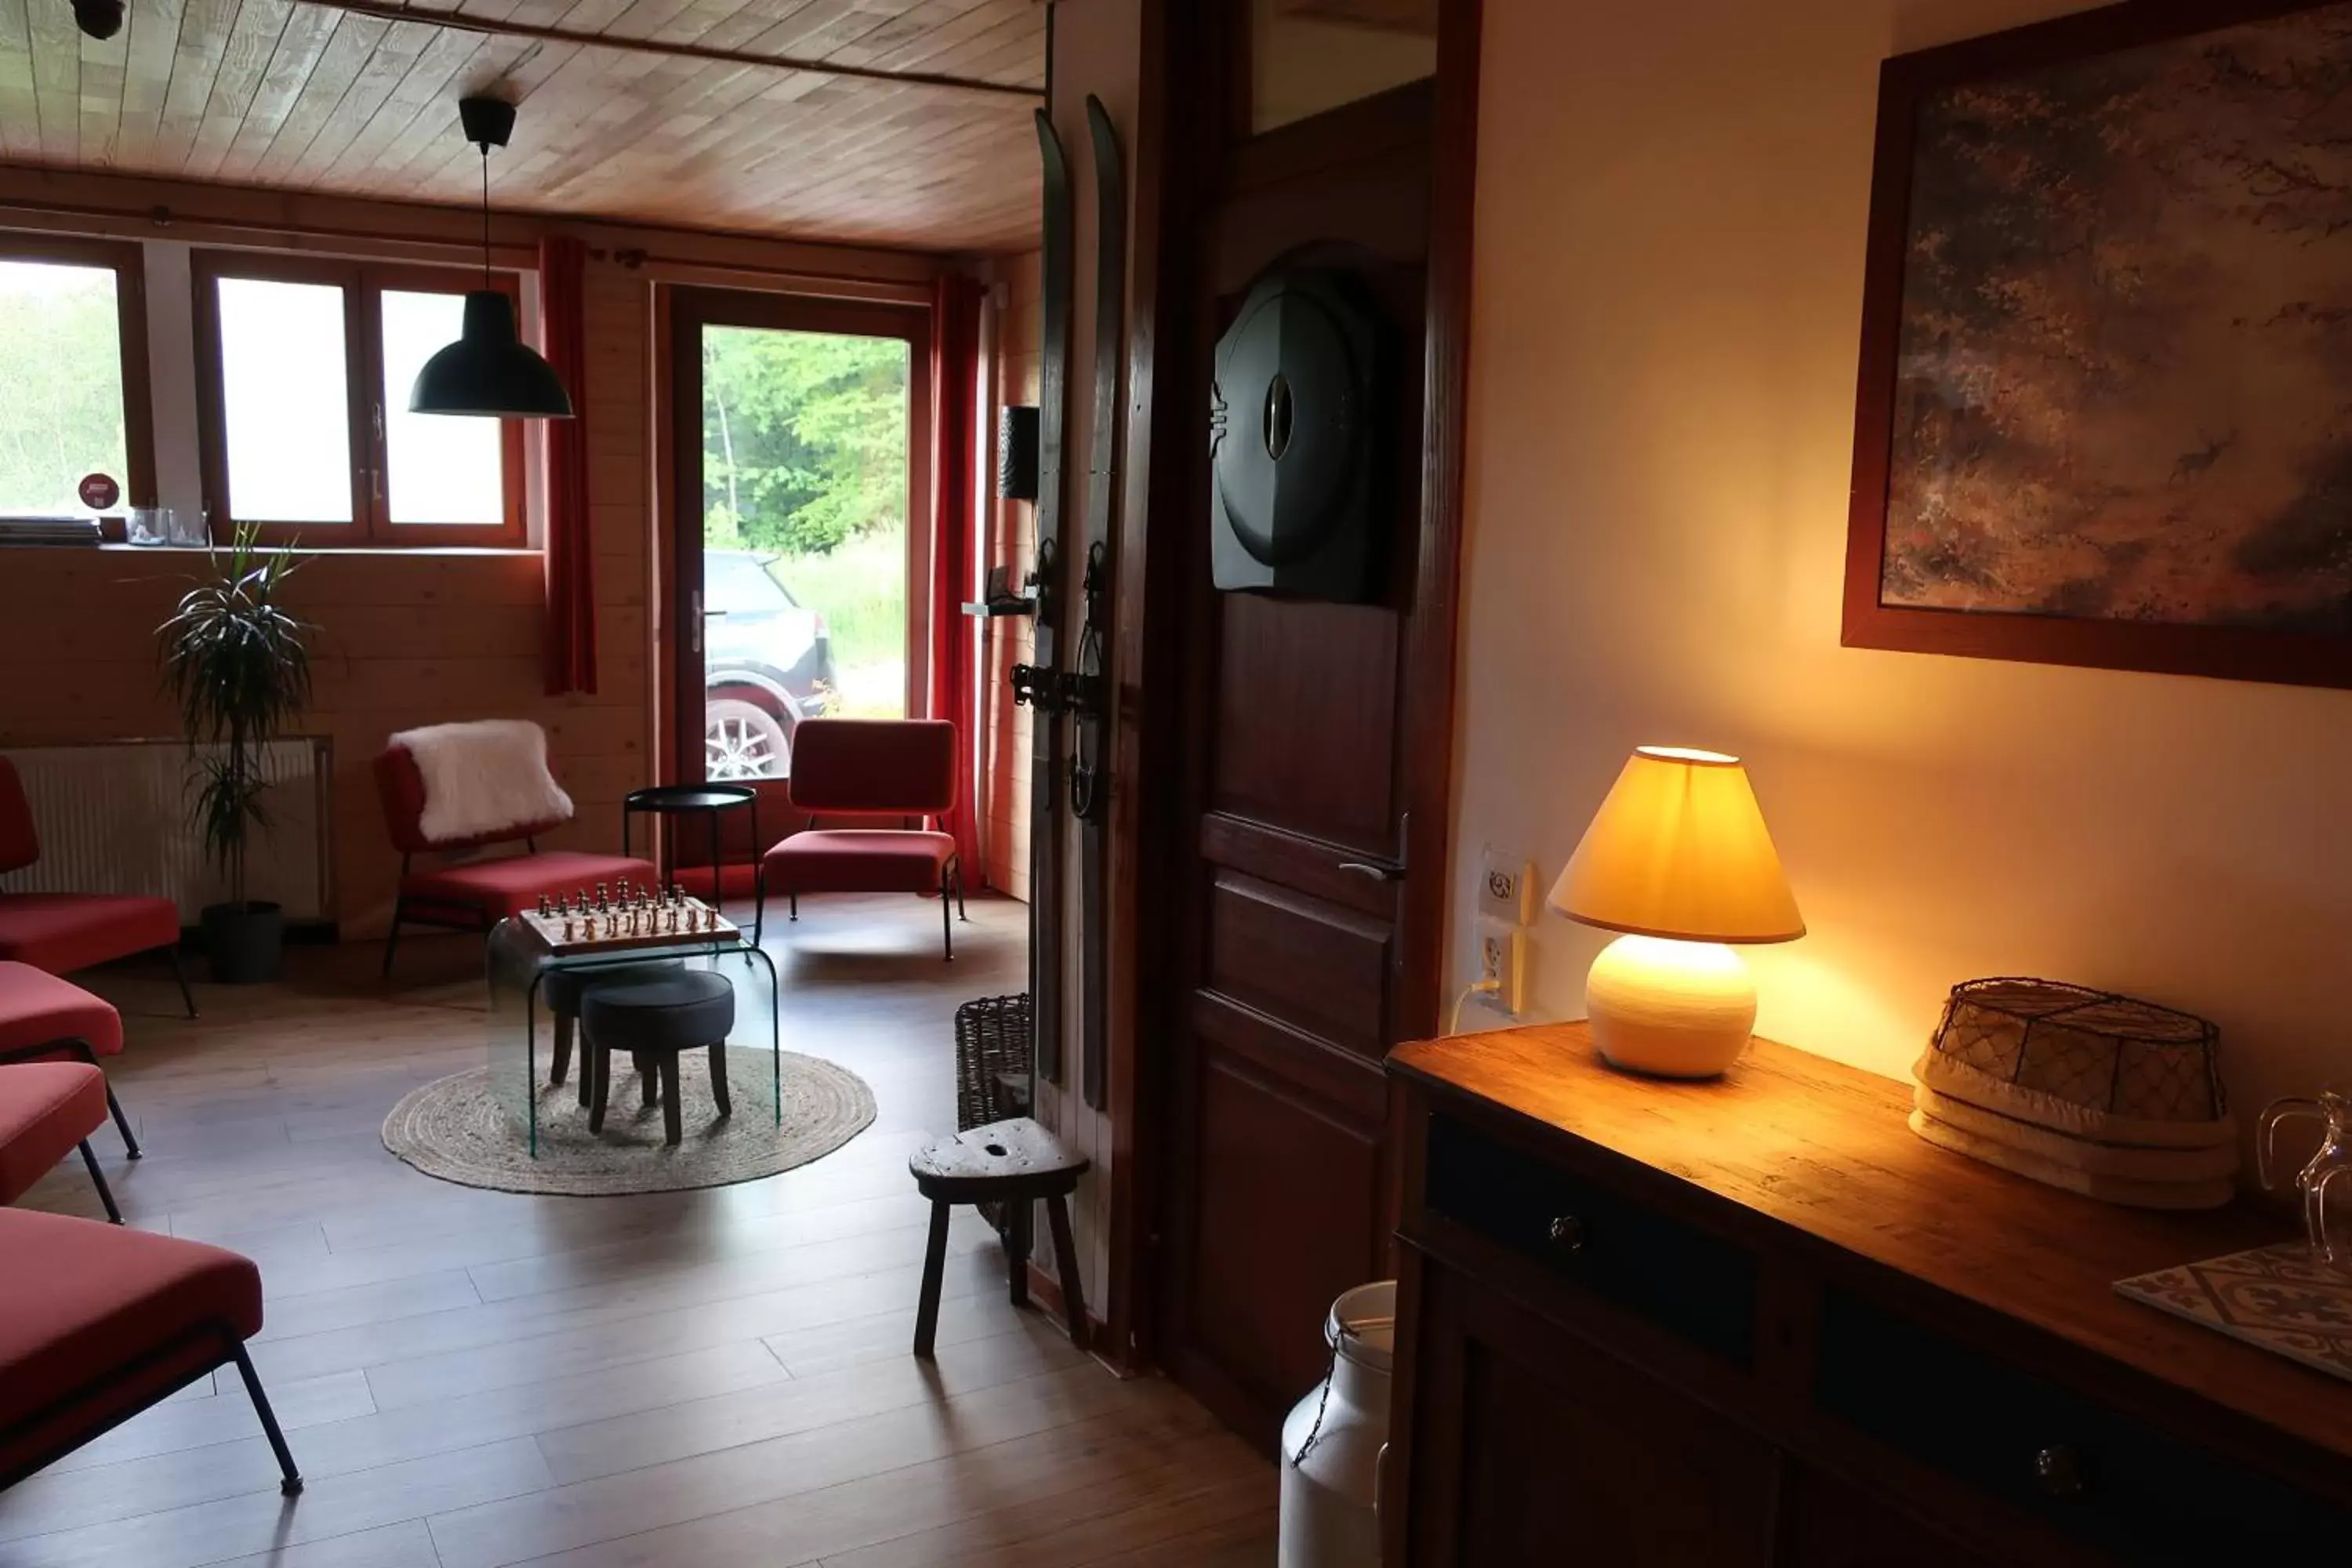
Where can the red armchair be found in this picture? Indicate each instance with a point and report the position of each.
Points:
(475, 895)
(99, 1321)
(61, 933)
(46, 1111)
(866, 768)
(44, 1018)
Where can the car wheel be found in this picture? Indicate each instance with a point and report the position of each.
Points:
(744, 740)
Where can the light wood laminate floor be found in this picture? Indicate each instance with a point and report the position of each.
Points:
(475, 1379)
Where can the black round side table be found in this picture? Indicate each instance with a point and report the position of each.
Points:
(683, 800)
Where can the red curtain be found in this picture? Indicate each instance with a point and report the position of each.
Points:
(570, 547)
(955, 514)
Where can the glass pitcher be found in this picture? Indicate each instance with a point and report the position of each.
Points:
(2334, 1112)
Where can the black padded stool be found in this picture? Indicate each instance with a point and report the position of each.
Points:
(561, 989)
(1016, 1162)
(653, 1020)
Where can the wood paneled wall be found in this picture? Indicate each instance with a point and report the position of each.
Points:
(404, 637)
(1012, 544)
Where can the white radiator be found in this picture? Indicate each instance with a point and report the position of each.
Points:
(113, 818)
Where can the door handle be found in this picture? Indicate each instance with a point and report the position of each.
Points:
(1378, 870)
(698, 618)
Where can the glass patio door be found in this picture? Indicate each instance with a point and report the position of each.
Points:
(801, 440)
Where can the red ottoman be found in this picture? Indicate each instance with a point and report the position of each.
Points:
(99, 1322)
(44, 1018)
(46, 1111)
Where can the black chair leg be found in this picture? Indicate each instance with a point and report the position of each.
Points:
(121, 1123)
(291, 1481)
(935, 1263)
(597, 1066)
(673, 1116)
(98, 1179)
(961, 914)
(947, 923)
(392, 942)
(794, 905)
(648, 1079)
(562, 1062)
(81, 1048)
(721, 1094)
(180, 974)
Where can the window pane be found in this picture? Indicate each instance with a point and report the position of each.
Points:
(804, 483)
(445, 469)
(60, 386)
(287, 399)
(1311, 56)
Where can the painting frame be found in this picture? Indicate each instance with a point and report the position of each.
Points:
(1906, 84)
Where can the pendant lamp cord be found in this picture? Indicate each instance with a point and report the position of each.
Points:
(485, 215)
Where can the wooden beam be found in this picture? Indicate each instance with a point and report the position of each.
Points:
(581, 37)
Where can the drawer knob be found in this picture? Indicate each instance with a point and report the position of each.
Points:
(1567, 1233)
(2061, 1470)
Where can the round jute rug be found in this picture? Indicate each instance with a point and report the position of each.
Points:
(457, 1129)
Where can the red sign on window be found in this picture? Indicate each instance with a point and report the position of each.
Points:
(99, 491)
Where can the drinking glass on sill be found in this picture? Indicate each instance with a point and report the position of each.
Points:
(2333, 1111)
(174, 525)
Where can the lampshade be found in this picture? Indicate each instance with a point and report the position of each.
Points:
(489, 370)
(1679, 850)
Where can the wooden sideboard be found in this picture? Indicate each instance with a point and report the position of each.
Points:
(1757, 1322)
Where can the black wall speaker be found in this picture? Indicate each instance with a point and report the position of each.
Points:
(1301, 377)
(1016, 453)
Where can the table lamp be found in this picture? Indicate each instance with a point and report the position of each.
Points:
(1677, 859)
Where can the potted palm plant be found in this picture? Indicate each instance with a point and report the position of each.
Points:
(234, 662)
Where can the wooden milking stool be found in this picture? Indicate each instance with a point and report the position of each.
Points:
(1016, 1162)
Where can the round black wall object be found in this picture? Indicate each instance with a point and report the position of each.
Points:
(1300, 377)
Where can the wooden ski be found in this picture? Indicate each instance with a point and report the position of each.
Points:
(1090, 688)
(1038, 683)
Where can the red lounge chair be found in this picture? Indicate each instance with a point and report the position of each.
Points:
(475, 895)
(46, 1111)
(99, 1321)
(64, 931)
(44, 1018)
(869, 767)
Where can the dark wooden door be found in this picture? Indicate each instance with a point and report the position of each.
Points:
(1292, 974)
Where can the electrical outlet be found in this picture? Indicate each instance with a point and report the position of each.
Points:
(1506, 887)
(1502, 960)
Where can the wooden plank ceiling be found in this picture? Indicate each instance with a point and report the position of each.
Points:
(296, 95)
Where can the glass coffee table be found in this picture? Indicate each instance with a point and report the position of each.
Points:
(525, 950)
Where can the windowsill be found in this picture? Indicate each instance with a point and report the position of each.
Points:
(318, 549)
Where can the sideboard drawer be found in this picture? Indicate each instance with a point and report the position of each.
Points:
(2097, 1475)
(1684, 1280)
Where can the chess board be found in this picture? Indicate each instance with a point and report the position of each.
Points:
(628, 924)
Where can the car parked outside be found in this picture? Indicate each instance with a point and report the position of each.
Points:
(767, 665)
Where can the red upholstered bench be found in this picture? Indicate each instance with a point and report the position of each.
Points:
(46, 1111)
(98, 1323)
(867, 768)
(64, 931)
(44, 1018)
(475, 895)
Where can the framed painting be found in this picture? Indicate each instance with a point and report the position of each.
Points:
(2105, 404)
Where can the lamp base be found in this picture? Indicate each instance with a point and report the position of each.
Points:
(1671, 1009)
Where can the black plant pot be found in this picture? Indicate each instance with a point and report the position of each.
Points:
(246, 942)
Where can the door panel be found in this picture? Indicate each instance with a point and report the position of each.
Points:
(1272, 1152)
(1307, 719)
(1301, 960)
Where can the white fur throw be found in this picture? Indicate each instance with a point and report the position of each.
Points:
(484, 778)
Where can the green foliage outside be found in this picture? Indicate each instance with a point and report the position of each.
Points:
(61, 369)
(804, 439)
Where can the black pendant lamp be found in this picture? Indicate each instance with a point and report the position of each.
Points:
(489, 371)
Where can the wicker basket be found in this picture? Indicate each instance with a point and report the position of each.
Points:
(2114, 1056)
(993, 1051)
(2104, 1095)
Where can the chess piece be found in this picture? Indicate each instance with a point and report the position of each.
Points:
(567, 929)
(543, 906)
(601, 898)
